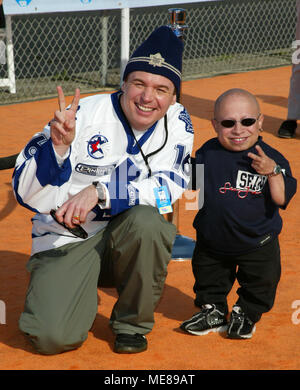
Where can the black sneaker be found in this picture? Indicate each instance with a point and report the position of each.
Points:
(209, 319)
(240, 326)
(287, 129)
(130, 343)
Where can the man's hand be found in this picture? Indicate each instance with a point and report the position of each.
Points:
(261, 162)
(265, 165)
(74, 211)
(63, 125)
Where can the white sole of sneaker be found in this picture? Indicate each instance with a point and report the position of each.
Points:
(242, 337)
(220, 329)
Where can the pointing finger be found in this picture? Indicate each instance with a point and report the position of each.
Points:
(254, 156)
(260, 151)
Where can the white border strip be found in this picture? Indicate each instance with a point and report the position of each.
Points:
(19, 7)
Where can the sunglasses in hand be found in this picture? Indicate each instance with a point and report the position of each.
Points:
(78, 231)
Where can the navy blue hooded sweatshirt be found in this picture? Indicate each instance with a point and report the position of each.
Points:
(238, 214)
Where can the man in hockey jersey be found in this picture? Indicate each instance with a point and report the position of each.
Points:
(245, 183)
(94, 178)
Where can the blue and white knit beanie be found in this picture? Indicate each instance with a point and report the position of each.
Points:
(161, 53)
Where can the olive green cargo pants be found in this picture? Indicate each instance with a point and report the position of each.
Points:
(131, 254)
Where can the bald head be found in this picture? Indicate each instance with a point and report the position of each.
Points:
(234, 106)
(235, 93)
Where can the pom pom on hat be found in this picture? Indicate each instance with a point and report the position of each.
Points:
(161, 53)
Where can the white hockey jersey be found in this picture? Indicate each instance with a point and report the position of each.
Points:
(104, 149)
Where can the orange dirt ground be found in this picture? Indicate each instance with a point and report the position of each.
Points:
(276, 343)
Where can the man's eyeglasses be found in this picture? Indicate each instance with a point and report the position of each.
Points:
(247, 122)
(78, 231)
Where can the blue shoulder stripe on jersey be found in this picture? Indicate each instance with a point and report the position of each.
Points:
(48, 171)
(185, 117)
(16, 176)
(131, 147)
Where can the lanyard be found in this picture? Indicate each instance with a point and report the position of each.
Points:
(145, 158)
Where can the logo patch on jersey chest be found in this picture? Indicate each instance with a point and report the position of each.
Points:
(98, 146)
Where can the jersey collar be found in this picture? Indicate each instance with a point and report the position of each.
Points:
(132, 148)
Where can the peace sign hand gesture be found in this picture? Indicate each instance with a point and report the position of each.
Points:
(261, 162)
(63, 125)
(265, 165)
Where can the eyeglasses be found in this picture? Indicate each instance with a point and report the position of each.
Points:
(78, 231)
(247, 122)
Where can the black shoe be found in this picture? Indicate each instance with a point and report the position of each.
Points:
(130, 343)
(209, 319)
(287, 129)
(240, 326)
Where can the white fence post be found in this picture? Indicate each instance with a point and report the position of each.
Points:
(11, 80)
(125, 39)
(103, 72)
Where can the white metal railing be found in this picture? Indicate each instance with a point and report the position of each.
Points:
(7, 57)
(90, 49)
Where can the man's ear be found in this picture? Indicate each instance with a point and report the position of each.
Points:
(260, 121)
(174, 100)
(214, 124)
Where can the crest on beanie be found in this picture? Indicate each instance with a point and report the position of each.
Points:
(160, 53)
(156, 59)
